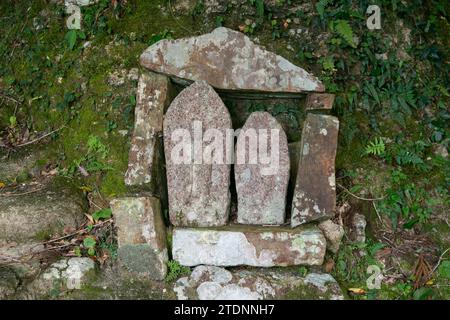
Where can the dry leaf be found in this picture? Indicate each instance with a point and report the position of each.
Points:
(91, 220)
(357, 290)
(329, 265)
(2, 185)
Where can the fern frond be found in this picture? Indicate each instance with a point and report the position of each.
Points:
(343, 28)
(376, 147)
(321, 5)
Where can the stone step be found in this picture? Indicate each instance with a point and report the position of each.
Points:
(214, 283)
(37, 212)
(249, 245)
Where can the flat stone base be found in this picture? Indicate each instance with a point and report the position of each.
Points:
(214, 283)
(249, 245)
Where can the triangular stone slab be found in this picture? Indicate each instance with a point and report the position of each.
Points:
(198, 190)
(261, 170)
(228, 60)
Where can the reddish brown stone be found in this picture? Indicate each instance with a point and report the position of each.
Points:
(315, 187)
(317, 101)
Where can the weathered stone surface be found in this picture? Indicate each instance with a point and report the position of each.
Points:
(252, 246)
(8, 282)
(153, 97)
(333, 232)
(358, 228)
(315, 188)
(19, 257)
(261, 171)
(40, 214)
(317, 101)
(214, 283)
(81, 3)
(65, 274)
(198, 189)
(141, 236)
(228, 60)
(19, 164)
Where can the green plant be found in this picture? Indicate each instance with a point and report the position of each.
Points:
(72, 36)
(102, 214)
(321, 5)
(89, 243)
(92, 161)
(166, 34)
(198, 9)
(343, 29)
(444, 269)
(302, 271)
(375, 147)
(175, 270)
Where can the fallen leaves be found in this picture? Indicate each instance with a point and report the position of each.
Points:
(357, 291)
(422, 272)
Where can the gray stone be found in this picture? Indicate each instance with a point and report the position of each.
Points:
(81, 3)
(214, 283)
(141, 236)
(228, 60)
(145, 157)
(9, 282)
(19, 257)
(358, 228)
(198, 190)
(325, 282)
(65, 274)
(315, 186)
(37, 215)
(252, 246)
(333, 232)
(261, 186)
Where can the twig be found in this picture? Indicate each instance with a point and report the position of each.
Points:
(440, 260)
(5, 96)
(20, 194)
(378, 214)
(358, 197)
(40, 138)
(78, 232)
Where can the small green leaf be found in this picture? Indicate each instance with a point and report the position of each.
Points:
(71, 38)
(89, 242)
(410, 223)
(444, 269)
(91, 251)
(423, 293)
(12, 121)
(102, 214)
